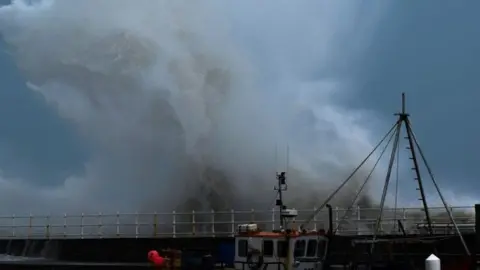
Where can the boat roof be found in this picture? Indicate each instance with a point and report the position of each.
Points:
(279, 234)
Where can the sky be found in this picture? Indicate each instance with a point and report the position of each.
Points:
(347, 63)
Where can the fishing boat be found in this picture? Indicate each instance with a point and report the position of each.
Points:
(296, 247)
(286, 248)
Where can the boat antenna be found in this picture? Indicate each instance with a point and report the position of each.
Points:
(287, 166)
(276, 157)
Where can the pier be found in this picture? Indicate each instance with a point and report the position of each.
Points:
(127, 237)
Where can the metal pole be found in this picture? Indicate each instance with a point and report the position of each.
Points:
(418, 175)
(385, 187)
(281, 186)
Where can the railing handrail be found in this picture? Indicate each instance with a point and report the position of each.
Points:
(203, 223)
(207, 212)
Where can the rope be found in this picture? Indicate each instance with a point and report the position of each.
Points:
(345, 216)
(348, 178)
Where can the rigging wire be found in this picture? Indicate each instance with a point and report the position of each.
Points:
(349, 210)
(315, 213)
(450, 215)
(385, 187)
(413, 143)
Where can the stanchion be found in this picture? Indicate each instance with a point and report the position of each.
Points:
(432, 263)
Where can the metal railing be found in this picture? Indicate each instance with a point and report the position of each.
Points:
(219, 223)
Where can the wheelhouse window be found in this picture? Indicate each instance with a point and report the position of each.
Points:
(267, 248)
(322, 244)
(299, 248)
(282, 247)
(242, 248)
(312, 248)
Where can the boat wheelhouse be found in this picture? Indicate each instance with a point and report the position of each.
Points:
(283, 249)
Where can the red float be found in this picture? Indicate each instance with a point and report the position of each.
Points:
(155, 258)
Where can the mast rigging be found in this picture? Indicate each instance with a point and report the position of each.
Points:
(414, 147)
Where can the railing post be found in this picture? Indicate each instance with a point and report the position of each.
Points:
(336, 217)
(359, 217)
(30, 223)
(232, 214)
(174, 224)
(99, 232)
(13, 226)
(47, 227)
(193, 222)
(252, 215)
(314, 218)
(155, 224)
(213, 223)
(395, 222)
(136, 225)
(65, 225)
(381, 226)
(118, 223)
(81, 226)
(273, 218)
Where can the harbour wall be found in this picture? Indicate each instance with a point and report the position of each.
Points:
(102, 238)
(108, 249)
(134, 250)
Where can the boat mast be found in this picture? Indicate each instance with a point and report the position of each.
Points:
(281, 186)
(403, 119)
(413, 146)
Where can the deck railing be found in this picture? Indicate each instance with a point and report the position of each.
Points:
(219, 223)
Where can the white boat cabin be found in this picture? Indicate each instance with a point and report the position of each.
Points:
(279, 250)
